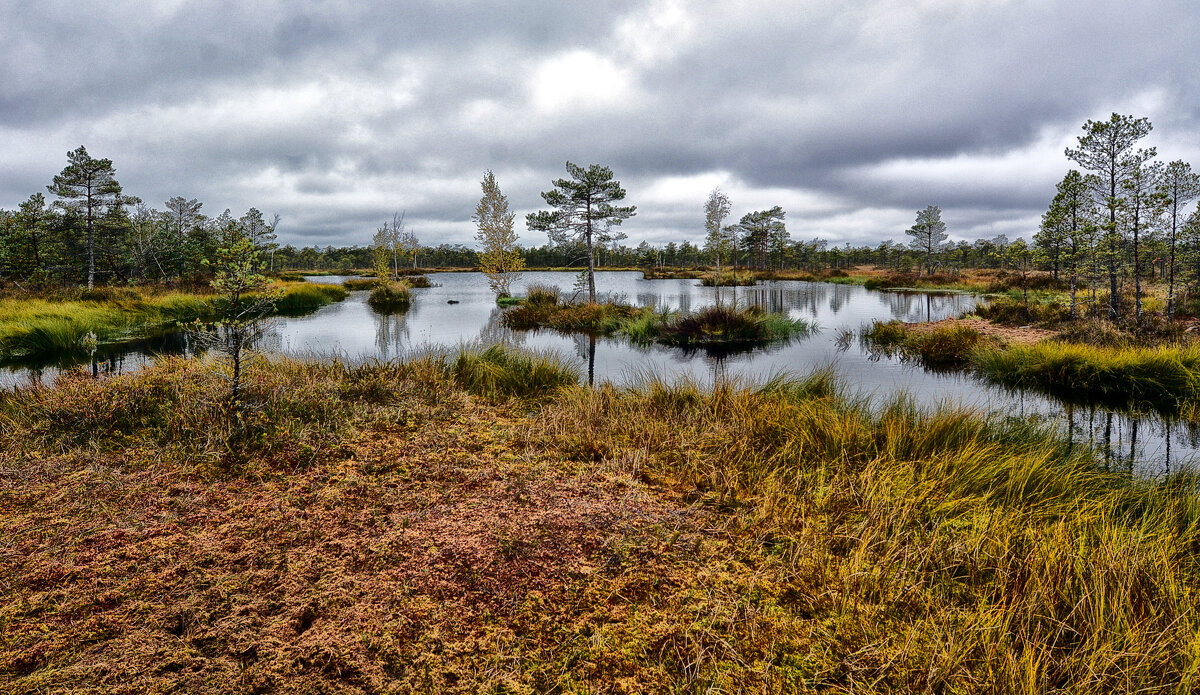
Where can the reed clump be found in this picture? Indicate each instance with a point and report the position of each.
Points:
(307, 297)
(360, 284)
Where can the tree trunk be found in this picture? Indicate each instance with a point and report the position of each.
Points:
(1171, 274)
(591, 265)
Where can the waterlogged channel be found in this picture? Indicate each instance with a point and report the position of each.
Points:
(461, 309)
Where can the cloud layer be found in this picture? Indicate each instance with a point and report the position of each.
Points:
(850, 115)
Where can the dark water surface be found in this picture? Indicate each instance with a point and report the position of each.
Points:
(352, 331)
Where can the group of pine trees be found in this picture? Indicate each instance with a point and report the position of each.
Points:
(1123, 218)
(91, 231)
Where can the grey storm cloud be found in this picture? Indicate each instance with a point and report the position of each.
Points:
(850, 115)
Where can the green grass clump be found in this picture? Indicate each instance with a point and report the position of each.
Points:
(716, 326)
(507, 301)
(303, 298)
(1012, 311)
(357, 284)
(595, 319)
(1163, 378)
(393, 296)
(728, 280)
(944, 347)
(500, 372)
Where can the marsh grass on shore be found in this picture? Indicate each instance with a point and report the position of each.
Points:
(420, 526)
(1163, 378)
(34, 326)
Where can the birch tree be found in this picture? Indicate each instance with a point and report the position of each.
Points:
(500, 258)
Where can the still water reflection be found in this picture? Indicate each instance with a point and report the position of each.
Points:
(461, 309)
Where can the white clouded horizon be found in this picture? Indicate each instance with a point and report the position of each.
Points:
(850, 116)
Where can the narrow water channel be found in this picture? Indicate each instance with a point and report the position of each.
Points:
(461, 309)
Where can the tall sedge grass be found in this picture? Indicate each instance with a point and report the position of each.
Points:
(307, 297)
(944, 347)
(1163, 378)
(499, 372)
(899, 549)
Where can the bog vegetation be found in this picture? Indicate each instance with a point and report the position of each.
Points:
(477, 522)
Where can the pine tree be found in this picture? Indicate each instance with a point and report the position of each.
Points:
(928, 233)
(1106, 148)
(583, 211)
(87, 186)
(1179, 186)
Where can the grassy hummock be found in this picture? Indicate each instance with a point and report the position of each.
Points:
(388, 297)
(303, 298)
(728, 280)
(413, 527)
(710, 328)
(946, 347)
(715, 327)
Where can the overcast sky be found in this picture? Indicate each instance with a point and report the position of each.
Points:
(851, 115)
